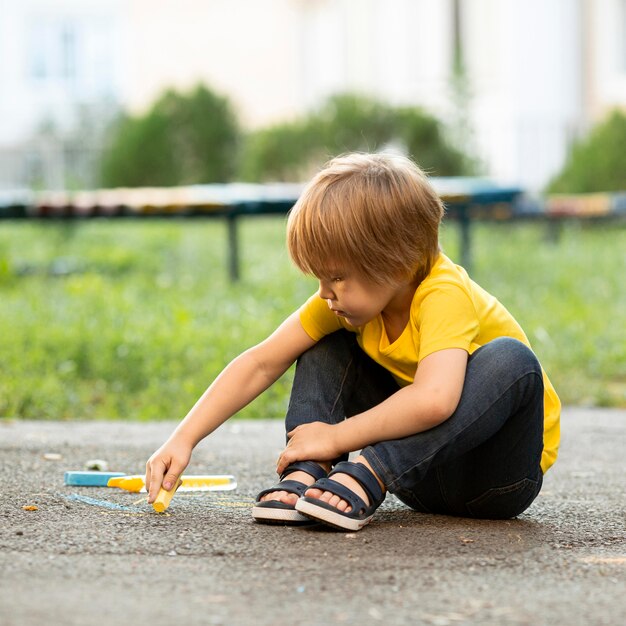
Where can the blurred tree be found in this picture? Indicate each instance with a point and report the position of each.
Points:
(278, 153)
(424, 139)
(598, 162)
(348, 122)
(183, 139)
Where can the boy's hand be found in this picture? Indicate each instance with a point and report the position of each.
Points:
(165, 466)
(316, 441)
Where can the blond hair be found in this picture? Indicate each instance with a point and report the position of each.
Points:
(376, 214)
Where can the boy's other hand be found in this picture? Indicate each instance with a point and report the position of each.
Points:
(316, 441)
(165, 466)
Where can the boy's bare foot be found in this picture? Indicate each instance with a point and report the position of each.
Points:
(292, 498)
(277, 504)
(347, 481)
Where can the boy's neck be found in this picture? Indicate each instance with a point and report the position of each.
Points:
(396, 314)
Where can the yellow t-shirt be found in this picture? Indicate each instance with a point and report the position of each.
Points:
(449, 310)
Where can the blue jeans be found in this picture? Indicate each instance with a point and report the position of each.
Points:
(482, 462)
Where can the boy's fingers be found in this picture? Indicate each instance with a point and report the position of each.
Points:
(291, 433)
(148, 476)
(173, 474)
(283, 461)
(169, 480)
(155, 478)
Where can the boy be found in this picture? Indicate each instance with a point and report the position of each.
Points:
(446, 402)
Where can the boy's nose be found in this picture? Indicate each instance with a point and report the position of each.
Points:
(325, 292)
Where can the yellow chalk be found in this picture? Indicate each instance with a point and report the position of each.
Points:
(135, 483)
(164, 498)
(129, 483)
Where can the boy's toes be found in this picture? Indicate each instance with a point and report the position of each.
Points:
(333, 500)
(341, 505)
(281, 496)
(330, 498)
(313, 493)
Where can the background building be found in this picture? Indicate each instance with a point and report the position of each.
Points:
(61, 75)
(520, 79)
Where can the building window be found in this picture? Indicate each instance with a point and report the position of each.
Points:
(40, 59)
(52, 50)
(68, 52)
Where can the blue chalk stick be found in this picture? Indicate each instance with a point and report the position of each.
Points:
(90, 479)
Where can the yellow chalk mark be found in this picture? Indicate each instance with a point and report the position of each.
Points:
(605, 560)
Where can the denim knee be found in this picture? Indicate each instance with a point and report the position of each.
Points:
(337, 345)
(511, 354)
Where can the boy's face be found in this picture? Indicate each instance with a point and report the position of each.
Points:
(354, 297)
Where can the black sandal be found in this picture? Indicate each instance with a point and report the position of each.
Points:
(276, 512)
(361, 513)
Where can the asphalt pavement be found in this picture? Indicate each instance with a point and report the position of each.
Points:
(101, 556)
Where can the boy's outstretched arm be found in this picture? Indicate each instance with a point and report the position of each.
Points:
(429, 400)
(247, 376)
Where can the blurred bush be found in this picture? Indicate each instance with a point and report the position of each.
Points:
(348, 122)
(184, 138)
(195, 138)
(597, 162)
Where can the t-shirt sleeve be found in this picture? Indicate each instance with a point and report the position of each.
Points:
(446, 319)
(317, 319)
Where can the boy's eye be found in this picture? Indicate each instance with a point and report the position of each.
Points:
(337, 279)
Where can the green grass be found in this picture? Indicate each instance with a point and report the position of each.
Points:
(133, 320)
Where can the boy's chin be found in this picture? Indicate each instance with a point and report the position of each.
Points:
(357, 321)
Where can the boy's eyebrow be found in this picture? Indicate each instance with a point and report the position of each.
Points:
(333, 272)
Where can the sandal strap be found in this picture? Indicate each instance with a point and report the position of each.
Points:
(290, 486)
(310, 467)
(356, 502)
(295, 486)
(364, 477)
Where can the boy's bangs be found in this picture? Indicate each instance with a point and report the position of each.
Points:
(317, 247)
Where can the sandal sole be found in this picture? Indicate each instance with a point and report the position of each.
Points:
(336, 520)
(266, 515)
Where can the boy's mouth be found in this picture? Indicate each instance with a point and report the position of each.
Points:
(329, 302)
